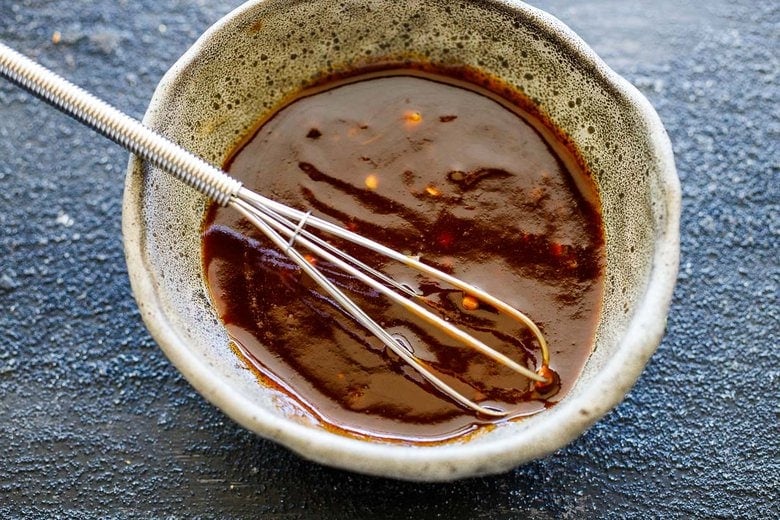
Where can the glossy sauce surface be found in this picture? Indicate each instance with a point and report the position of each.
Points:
(432, 167)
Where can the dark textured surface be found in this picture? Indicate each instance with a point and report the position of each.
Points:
(95, 422)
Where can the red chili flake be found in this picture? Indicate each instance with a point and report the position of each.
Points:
(550, 379)
(445, 239)
(470, 303)
(412, 118)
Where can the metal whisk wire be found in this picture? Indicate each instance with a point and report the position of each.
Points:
(286, 227)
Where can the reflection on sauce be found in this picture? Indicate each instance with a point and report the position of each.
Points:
(433, 167)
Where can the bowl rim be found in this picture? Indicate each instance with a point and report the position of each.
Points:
(453, 460)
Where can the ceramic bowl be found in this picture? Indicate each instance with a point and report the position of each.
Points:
(255, 58)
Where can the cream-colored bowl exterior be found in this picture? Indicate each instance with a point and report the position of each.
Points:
(247, 64)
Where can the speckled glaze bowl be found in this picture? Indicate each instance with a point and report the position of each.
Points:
(250, 62)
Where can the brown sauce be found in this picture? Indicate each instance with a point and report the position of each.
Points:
(430, 166)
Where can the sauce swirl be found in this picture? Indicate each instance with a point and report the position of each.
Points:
(430, 166)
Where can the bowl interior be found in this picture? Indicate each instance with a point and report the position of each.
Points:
(251, 62)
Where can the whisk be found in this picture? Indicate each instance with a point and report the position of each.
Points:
(288, 228)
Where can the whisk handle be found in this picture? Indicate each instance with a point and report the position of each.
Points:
(117, 126)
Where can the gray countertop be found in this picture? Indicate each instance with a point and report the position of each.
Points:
(95, 422)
